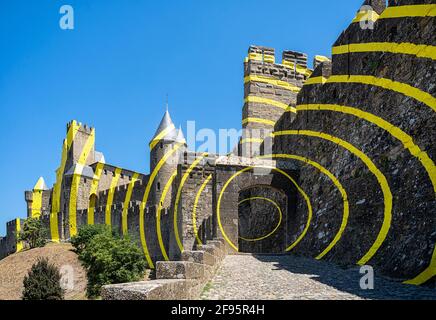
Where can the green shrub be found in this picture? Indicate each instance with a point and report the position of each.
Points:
(108, 258)
(85, 235)
(43, 282)
(33, 233)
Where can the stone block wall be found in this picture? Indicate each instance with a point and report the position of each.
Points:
(381, 103)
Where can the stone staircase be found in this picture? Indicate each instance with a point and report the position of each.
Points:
(175, 280)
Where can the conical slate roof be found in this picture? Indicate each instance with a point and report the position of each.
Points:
(180, 136)
(166, 131)
(40, 185)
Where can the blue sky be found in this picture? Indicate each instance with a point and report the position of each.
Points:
(115, 68)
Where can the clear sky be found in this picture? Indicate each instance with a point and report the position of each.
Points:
(115, 68)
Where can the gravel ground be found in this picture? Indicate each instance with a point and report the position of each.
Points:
(288, 277)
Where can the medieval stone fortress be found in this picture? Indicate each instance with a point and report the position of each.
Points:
(335, 163)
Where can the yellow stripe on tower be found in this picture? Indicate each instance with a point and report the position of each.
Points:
(366, 15)
(160, 136)
(421, 10)
(299, 69)
(278, 83)
(271, 102)
(110, 196)
(93, 191)
(418, 50)
(261, 57)
(56, 194)
(252, 140)
(124, 225)
(258, 120)
(36, 206)
(72, 214)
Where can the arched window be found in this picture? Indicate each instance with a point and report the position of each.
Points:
(158, 186)
(93, 201)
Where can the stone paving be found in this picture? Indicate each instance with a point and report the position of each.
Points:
(262, 277)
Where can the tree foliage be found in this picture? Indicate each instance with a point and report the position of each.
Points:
(33, 233)
(107, 258)
(43, 282)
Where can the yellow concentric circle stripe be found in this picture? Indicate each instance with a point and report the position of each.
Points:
(194, 211)
(346, 206)
(399, 87)
(301, 191)
(158, 214)
(179, 192)
(278, 224)
(145, 199)
(396, 132)
(387, 195)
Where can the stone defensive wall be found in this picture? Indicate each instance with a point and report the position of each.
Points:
(350, 177)
(364, 139)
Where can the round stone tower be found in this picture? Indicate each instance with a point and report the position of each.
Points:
(166, 151)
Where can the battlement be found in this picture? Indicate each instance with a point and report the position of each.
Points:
(81, 127)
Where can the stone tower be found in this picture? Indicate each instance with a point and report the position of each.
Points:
(78, 174)
(166, 150)
(270, 89)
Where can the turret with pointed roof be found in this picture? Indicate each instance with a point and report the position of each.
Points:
(166, 139)
(165, 132)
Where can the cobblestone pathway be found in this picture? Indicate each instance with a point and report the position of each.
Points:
(290, 277)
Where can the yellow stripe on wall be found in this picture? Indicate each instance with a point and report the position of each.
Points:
(124, 225)
(72, 214)
(278, 83)
(427, 274)
(396, 132)
(20, 245)
(338, 185)
(94, 190)
(145, 199)
(403, 88)
(179, 193)
(194, 210)
(387, 195)
(110, 196)
(158, 215)
(418, 50)
(301, 191)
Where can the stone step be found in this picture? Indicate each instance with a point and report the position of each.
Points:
(181, 270)
(198, 256)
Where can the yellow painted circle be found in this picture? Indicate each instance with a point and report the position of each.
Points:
(278, 224)
(301, 191)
